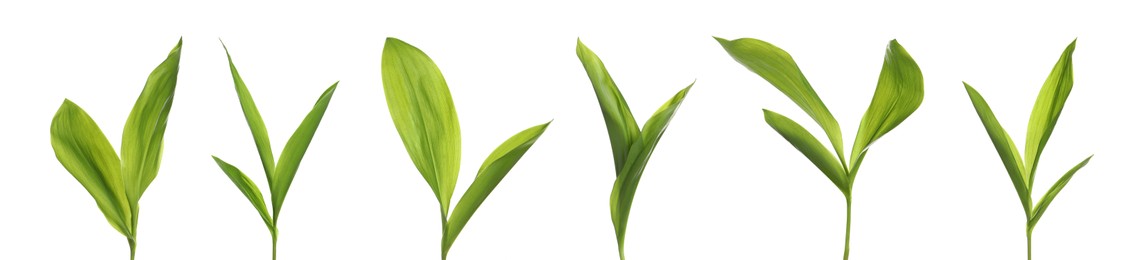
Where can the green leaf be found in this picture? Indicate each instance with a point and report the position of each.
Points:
(146, 125)
(1005, 147)
(501, 160)
(1040, 208)
(248, 188)
(620, 123)
(294, 150)
(898, 94)
(1048, 108)
(421, 107)
(626, 185)
(777, 66)
(810, 147)
(253, 119)
(84, 151)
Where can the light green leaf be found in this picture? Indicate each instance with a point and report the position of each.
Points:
(295, 149)
(421, 108)
(501, 160)
(146, 126)
(810, 147)
(1048, 108)
(626, 185)
(898, 94)
(248, 188)
(777, 66)
(1005, 147)
(620, 123)
(253, 119)
(84, 151)
(1040, 208)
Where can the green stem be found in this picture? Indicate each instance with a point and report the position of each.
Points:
(131, 242)
(848, 226)
(1029, 231)
(444, 235)
(621, 253)
(274, 235)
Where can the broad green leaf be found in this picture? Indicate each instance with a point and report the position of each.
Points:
(1005, 147)
(421, 108)
(501, 160)
(146, 126)
(84, 151)
(810, 147)
(898, 94)
(295, 150)
(248, 188)
(253, 119)
(1048, 108)
(778, 68)
(626, 185)
(1040, 208)
(620, 123)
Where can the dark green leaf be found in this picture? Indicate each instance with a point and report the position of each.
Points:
(253, 119)
(810, 147)
(248, 188)
(777, 66)
(1005, 147)
(620, 123)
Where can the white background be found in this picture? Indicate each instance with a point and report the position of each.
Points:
(721, 185)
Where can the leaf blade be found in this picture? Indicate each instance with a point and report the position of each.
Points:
(146, 126)
(626, 185)
(810, 147)
(84, 151)
(498, 163)
(620, 123)
(898, 94)
(248, 188)
(1005, 147)
(253, 119)
(1048, 107)
(1047, 198)
(295, 149)
(778, 68)
(425, 117)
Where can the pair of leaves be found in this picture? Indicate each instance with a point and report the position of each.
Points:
(631, 146)
(425, 117)
(1043, 118)
(116, 185)
(898, 94)
(280, 174)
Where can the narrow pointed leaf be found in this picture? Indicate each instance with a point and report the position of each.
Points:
(898, 94)
(620, 123)
(622, 195)
(1048, 108)
(253, 119)
(1005, 147)
(778, 68)
(248, 188)
(84, 151)
(295, 149)
(422, 110)
(146, 126)
(501, 160)
(810, 147)
(1040, 208)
